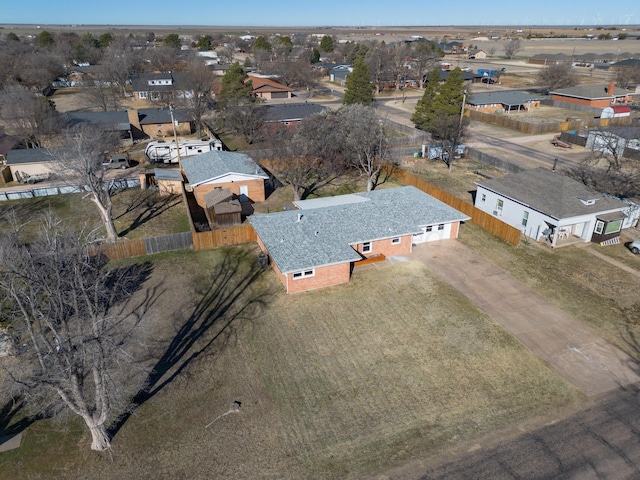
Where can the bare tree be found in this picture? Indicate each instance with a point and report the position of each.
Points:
(512, 47)
(243, 118)
(226, 54)
(198, 80)
(424, 58)
(309, 156)
(80, 162)
(27, 115)
(365, 141)
(557, 75)
(71, 342)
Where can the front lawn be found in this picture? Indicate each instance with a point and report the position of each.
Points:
(342, 382)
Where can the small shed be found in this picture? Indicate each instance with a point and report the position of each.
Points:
(223, 209)
(169, 181)
(616, 111)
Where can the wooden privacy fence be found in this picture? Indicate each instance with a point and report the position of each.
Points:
(222, 237)
(483, 219)
(524, 126)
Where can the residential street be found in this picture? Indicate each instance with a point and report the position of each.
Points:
(600, 442)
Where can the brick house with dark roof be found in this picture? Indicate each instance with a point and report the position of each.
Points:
(596, 96)
(290, 113)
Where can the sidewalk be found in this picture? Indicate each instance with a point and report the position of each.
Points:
(571, 348)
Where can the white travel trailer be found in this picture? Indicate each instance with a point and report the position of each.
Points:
(161, 151)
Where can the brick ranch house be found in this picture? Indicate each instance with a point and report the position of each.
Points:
(319, 244)
(590, 96)
(507, 101)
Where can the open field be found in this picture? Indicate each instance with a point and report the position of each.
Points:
(336, 383)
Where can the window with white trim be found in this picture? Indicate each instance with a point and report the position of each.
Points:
(525, 218)
(613, 227)
(366, 247)
(142, 94)
(429, 228)
(303, 274)
(599, 227)
(395, 240)
(441, 226)
(483, 197)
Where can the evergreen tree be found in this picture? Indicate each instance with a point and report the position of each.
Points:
(326, 44)
(45, 39)
(204, 42)
(262, 43)
(315, 56)
(424, 112)
(439, 112)
(173, 40)
(235, 85)
(359, 85)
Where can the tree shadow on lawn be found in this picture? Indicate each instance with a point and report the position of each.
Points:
(228, 298)
(149, 208)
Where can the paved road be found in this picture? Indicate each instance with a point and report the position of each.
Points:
(601, 442)
(566, 344)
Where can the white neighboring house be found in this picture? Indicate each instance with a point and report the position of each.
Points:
(549, 206)
(614, 140)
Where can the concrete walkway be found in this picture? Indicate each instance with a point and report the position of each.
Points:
(566, 344)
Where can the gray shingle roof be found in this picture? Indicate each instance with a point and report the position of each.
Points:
(118, 120)
(551, 193)
(30, 155)
(161, 115)
(172, 174)
(323, 235)
(591, 92)
(507, 97)
(210, 165)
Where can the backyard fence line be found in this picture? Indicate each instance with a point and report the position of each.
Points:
(506, 121)
(49, 190)
(493, 161)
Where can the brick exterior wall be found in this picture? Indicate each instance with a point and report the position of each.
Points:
(324, 277)
(166, 129)
(600, 103)
(255, 190)
(386, 248)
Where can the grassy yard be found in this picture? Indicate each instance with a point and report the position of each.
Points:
(136, 213)
(589, 288)
(341, 382)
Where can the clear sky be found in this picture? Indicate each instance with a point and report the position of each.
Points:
(321, 12)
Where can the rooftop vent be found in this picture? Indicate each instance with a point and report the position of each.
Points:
(588, 201)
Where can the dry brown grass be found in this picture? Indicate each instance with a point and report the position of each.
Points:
(335, 383)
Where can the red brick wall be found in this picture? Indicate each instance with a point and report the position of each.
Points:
(324, 277)
(385, 247)
(256, 190)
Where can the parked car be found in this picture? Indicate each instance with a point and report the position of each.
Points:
(634, 247)
(118, 161)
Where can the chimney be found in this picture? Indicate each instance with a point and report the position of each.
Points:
(134, 118)
(611, 88)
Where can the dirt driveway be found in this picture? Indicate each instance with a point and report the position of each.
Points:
(566, 344)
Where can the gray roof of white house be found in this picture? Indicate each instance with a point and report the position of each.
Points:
(209, 165)
(309, 238)
(31, 155)
(551, 193)
(507, 97)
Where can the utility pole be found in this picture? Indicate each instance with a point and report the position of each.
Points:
(175, 136)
